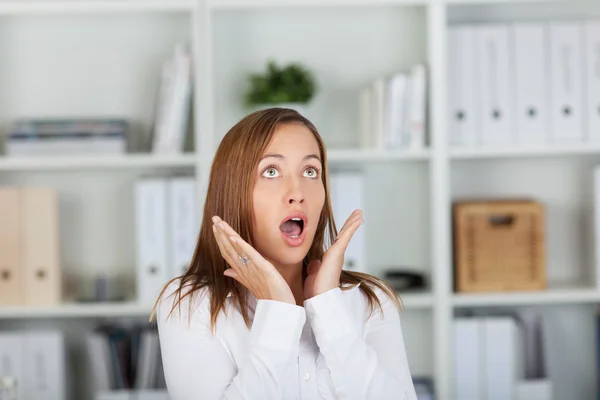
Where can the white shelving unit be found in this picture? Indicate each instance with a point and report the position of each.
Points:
(55, 53)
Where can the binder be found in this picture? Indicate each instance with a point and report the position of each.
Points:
(11, 359)
(468, 359)
(347, 195)
(11, 275)
(184, 223)
(495, 84)
(531, 76)
(44, 365)
(40, 246)
(416, 121)
(462, 102)
(566, 81)
(503, 368)
(592, 78)
(151, 237)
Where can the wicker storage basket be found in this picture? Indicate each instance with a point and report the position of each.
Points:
(499, 245)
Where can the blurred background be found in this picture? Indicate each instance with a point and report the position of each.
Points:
(467, 130)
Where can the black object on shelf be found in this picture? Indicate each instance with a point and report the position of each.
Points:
(405, 280)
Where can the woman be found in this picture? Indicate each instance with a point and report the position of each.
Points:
(263, 312)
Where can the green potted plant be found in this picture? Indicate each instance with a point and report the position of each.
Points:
(292, 86)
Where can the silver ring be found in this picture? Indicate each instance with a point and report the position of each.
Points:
(244, 260)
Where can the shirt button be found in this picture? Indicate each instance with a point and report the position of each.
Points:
(306, 376)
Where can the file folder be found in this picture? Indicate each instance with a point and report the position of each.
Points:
(40, 246)
(495, 84)
(566, 82)
(151, 237)
(462, 102)
(11, 273)
(531, 76)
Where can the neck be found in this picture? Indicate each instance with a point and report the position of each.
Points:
(293, 276)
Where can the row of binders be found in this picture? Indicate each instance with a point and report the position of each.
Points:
(34, 362)
(392, 111)
(167, 226)
(499, 358)
(125, 361)
(30, 264)
(524, 83)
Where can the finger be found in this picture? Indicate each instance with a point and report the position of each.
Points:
(356, 215)
(242, 245)
(345, 237)
(232, 274)
(229, 253)
(228, 245)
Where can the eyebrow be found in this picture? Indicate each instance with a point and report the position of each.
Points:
(281, 157)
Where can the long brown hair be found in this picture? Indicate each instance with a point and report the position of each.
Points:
(229, 196)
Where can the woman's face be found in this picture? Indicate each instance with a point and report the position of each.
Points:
(288, 196)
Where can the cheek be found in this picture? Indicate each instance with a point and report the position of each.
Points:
(262, 199)
(316, 194)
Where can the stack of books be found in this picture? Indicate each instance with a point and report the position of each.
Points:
(64, 137)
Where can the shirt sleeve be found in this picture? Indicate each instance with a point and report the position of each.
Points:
(367, 363)
(198, 366)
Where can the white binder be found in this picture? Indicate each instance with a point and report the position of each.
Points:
(468, 359)
(151, 235)
(495, 84)
(566, 82)
(592, 79)
(531, 76)
(11, 358)
(502, 344)
(183, 222)
(44, 364)
(347, 195)
(462, 103)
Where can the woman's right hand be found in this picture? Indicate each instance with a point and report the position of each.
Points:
(256, 273)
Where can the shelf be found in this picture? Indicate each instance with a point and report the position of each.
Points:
(241, 4)
(555, 150)
(76, 310)
(104, 161)
(561, 295)
(362, 155)
(68, 6)
(414, 301)
(410, 301)
(501, 2)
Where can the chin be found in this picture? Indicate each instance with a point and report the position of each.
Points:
(292, 256)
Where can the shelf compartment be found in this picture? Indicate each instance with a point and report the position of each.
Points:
(127, 161)
(370, 155)
(244, 4)
(95, 6)
(76, 310)
(554, 150)
(566, 294)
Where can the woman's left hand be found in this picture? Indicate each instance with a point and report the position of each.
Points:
(324, 275)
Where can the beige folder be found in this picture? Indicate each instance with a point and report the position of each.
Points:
(41, 253)
(11, 276)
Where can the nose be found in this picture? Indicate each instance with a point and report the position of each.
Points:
(294, 193)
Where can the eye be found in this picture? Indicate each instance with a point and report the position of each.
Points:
(311, 172)
(270, 172)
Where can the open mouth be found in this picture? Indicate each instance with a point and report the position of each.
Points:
(293, 225)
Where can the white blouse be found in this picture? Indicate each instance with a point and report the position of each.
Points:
(327, 349)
